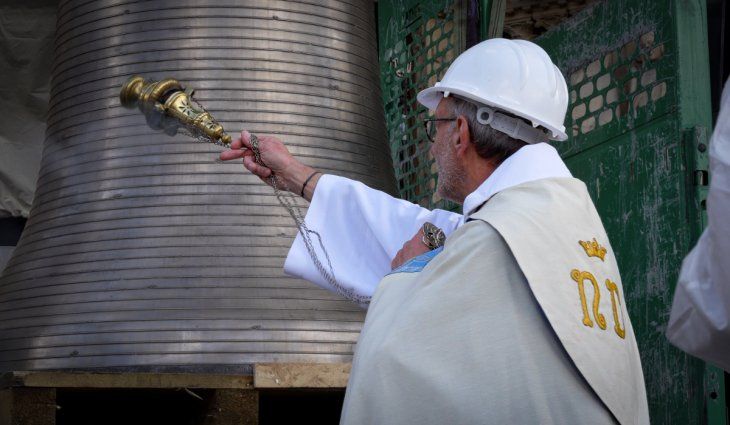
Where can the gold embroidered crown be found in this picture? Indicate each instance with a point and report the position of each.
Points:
(594, 249)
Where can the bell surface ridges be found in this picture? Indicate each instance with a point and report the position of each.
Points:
(144, 252)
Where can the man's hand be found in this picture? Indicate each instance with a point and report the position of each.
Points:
(276, 159)
(411, 249)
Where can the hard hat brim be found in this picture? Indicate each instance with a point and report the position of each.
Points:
(431, 97)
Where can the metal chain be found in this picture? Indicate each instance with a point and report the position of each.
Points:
(288, 201)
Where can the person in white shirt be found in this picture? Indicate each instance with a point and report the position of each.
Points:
(519, 315)
(700, 319)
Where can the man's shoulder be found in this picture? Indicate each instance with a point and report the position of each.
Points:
(552, 203)
(474, 231)
(476, 240)
(535, 196)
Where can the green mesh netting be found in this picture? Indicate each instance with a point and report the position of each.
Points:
(421, 40)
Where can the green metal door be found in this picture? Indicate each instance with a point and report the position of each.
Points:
(638, 121)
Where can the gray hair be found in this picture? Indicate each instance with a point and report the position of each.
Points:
(490, 144)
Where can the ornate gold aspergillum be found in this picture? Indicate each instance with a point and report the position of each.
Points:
(168, 98)
(594, 249)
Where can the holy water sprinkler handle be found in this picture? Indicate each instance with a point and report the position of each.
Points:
(169, 98)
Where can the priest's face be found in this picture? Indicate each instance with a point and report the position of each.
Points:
(451, 175)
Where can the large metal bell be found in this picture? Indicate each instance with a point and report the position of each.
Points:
(144, 252)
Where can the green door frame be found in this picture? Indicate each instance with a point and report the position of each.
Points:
(695, 77)
(491, 18)
(696, 117)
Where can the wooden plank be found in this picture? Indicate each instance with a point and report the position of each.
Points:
(301, 375)
(124, 380)
(267, 375)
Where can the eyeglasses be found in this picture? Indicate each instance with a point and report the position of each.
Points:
(430, 125)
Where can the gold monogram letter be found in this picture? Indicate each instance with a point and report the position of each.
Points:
(613, 288)
(579, 277)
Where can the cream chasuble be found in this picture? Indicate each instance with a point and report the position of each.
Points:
(461, 336)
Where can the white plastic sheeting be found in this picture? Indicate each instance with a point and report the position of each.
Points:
(27, 31)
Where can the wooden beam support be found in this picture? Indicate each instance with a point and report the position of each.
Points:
(301, 375)
(124, 380)
(266, 375)
(29, 398)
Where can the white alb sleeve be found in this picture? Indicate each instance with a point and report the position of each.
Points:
(361, 229)
(700, 318)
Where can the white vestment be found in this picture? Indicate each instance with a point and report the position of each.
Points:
(700, 319)
(474, 337)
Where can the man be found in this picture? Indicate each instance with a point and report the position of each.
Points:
(700, 319)
(520, 316)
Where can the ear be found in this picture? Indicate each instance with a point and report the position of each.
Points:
(463, 142)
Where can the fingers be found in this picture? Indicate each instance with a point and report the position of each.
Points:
(236, 143)
(232, 154)
(237, 149)
(252, 166)
(397, 260)
(246, 139)
(411, 249)
(241, 148)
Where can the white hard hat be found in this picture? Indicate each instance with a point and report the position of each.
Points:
(515, 76)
